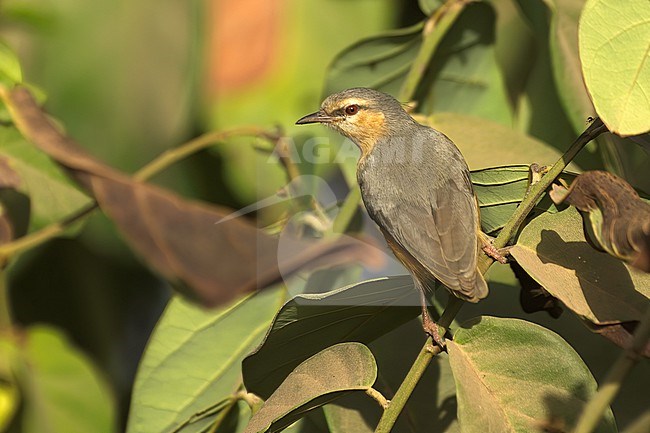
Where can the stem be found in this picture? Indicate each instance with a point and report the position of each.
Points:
(388, 418)
(378, 397)
(172, 156)
(5, 311)
(597, 406)
(347, 211)
(46, 233)
(434, 30)
(429, 350)
(535, 192)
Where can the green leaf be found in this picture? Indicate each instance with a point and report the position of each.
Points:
(193, 361)
(464, 76)
(516, 376)
(10, 72)
(432, 406)
(309, 323)
(327, 375)
(380, 62)
(552, 249)
(61, 390)
(429, 6)
(500, 190)
(563, 41)
(614, 45)
(52, 195)
(486, 143)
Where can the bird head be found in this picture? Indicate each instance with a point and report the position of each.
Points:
(363, 115)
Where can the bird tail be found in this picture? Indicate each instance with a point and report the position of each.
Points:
(474, 291)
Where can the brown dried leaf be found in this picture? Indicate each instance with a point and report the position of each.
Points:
(620, 334)
(616, 220)
(184, 240)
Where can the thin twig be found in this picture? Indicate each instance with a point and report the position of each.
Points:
(172, 156)
(378, 397)
(388, 418)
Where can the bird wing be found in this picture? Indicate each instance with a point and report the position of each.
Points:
(439, 230)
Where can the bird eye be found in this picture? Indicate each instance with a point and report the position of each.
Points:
(351, 110)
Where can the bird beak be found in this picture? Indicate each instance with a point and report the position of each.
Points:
(317, 117)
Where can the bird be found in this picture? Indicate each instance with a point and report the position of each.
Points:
(415, 185)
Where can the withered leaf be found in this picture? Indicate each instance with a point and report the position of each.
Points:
(615, 219)
(620, 334)
(186, 241)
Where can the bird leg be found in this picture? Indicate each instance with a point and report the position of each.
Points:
(429, 325)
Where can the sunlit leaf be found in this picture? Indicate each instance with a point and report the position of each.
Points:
(552, 249)
(210, 345)
(532, 381)
(486, 143)
(309, 323)
(500, 190)
(614, 44)
(323, 377)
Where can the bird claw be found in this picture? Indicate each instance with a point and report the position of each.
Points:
(501, 255)
(432, 329)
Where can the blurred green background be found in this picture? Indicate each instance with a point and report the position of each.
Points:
(131, 79)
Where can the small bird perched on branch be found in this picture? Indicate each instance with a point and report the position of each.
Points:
(415, 185)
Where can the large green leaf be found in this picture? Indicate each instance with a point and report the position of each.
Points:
(486, 143)
(545, 101)
(193, 361)
(432, 406)
(515, 376)
(500, 190)
(614, 45)
(52, 195)
(334, 371)
(61, 390)
(464, 76)
(309, 323)
(595, 285)
(380, 62)
(563, 41)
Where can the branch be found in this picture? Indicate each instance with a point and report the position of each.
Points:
(388, 418)
(455, 304)
(537, 190)
(597, 406)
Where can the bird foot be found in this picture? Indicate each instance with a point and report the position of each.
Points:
(501, 255)
(432, 329)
